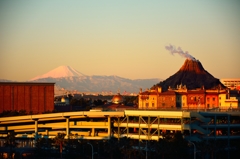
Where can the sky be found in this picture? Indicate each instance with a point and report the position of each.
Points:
(120, 37)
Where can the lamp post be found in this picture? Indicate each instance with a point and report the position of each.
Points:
(92, 149)
(146, 150)
(194, 149)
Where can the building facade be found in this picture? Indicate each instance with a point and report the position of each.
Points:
(212, 100)
(231, 83)
(189, 99)
(32, 97)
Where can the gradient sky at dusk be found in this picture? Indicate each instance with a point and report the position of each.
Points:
(123, 38)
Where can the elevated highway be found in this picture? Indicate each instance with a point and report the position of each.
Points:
(135, 124)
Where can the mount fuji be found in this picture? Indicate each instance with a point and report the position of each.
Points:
(59, 72)
(70, 79)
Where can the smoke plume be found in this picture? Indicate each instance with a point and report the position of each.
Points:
(173, 50)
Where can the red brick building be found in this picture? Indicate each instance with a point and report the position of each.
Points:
(212, 100)
(167, 99)
(32, 97)
(196, 99)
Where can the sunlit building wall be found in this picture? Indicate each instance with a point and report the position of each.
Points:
(232, 83)
(31, 97)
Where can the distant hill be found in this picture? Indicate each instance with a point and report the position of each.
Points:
(193, 75)
(5, 80)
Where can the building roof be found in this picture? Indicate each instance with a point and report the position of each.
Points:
(27, 83)
(148, 93)
(181, 93)
(169, 92)
(196, 91)
(212, 93)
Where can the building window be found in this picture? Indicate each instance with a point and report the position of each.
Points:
(213, 99)
(146, 104)
(152, 104)
(183, 104)
(153, 98)
(219, 98)
(163, 104)
(207, 99)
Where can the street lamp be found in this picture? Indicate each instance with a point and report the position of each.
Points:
(92, 149)
(194, 148)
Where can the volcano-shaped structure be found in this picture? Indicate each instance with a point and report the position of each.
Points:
(193, 75)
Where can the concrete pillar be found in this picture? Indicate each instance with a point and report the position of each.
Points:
(139, 128)
(67, 126)
(127, 125)
(148, 131)
(93, 131)
(119, 128)
(47, 133)
(36, 130)
(109, 126)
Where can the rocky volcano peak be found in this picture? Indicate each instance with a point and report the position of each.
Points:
(194, 66)
(193, 75)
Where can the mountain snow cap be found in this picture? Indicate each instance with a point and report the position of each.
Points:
(61, 71)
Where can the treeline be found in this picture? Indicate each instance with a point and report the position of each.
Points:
(124, 148)
(8, 113)
(128, 100)
(168, 147)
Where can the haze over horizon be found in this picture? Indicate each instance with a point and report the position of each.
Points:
(123, 38)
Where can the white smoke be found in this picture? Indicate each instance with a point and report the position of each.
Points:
(173, 50)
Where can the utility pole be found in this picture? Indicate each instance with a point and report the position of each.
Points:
(146, 150)
(194, 148)
(92, 149)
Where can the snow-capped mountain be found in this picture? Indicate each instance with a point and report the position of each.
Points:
(70, 79)
(101, 83)
(59, 72)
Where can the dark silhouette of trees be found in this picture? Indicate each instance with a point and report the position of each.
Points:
(59, 140)
(130, 100)
(79, 102)
(7, 113)
(98, 102)
(168, 147)
(44, 148)
(11, 143)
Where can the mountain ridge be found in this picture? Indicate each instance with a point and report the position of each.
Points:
(70, 79)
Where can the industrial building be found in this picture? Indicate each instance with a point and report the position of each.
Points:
(29, 96)
(231, 83)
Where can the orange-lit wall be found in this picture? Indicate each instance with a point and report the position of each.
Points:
(32, 97)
